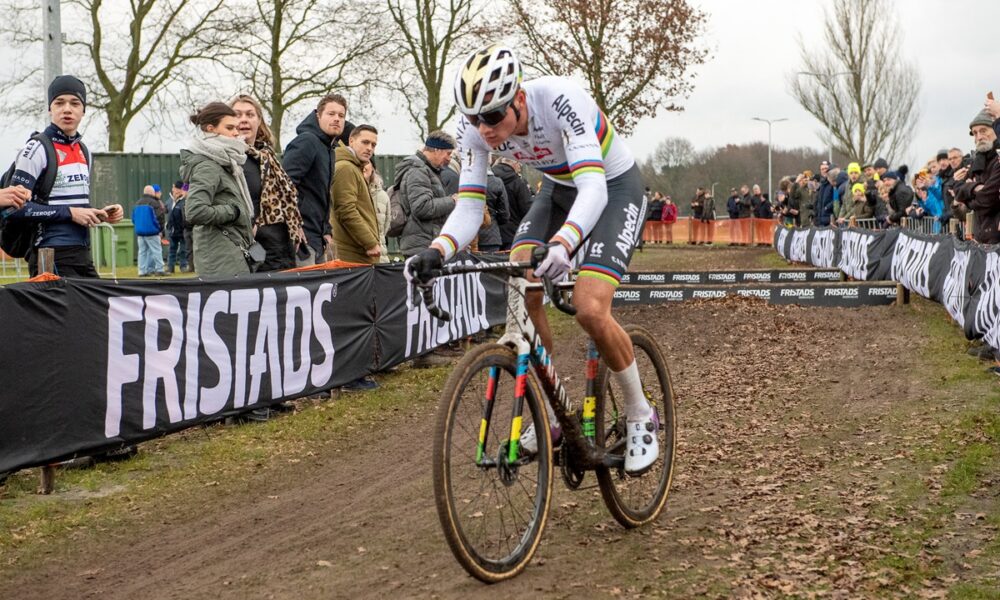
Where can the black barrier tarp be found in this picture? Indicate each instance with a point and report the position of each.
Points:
(963, 276)
(803, 294)
(404, 328)
(123, 362)
(99, 363)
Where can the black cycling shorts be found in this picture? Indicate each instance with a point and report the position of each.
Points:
(606, 252)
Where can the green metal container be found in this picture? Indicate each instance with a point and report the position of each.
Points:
(386, 166)
(122, 246)
(118, 177)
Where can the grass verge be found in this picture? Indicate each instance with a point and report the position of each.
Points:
(953, 469)
(179, 469)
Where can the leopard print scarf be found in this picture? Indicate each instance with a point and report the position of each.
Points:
(279, 200)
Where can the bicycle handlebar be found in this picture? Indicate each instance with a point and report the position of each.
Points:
(514, 269)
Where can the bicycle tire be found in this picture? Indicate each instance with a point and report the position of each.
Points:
(618, 488)
(455, 472)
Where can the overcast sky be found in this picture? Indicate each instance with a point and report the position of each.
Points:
(753, 48)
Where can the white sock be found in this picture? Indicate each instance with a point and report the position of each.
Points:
(636, 406)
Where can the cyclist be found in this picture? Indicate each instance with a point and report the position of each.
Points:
(591, 202)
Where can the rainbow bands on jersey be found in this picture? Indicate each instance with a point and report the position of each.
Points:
(605, 133)
(566, 172)
(450, 242)
(572, 233)
(472, 192)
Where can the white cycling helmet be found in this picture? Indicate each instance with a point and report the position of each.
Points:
(492, 72)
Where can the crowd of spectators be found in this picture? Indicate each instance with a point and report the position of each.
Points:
(241, 205)
(871, 195)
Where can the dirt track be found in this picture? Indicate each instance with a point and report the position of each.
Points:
(788, 482)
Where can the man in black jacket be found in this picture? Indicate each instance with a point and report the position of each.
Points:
(900, 196)
(981, 189)
(308, 160)
(518, 197)
(745, 207)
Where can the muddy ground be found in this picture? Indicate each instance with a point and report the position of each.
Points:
(807, 465)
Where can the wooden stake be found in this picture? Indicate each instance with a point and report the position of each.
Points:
(47, 264)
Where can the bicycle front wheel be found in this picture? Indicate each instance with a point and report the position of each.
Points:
(635, 500)
(492, 501)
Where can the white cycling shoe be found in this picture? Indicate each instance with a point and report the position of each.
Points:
(529, 441)
(641, 447)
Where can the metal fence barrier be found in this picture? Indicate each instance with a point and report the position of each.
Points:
(927, 225)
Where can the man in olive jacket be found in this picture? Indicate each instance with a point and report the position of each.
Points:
(422, 194)
(355, 226)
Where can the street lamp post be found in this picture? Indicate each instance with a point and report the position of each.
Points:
(52, 44)
(770, 197)
(827, 81)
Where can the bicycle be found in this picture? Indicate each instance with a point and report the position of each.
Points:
(482, 479)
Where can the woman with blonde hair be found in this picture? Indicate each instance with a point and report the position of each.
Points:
(276, 218)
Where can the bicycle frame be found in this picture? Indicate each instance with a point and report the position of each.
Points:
(522, 336)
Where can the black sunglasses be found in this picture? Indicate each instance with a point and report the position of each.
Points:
(491, 118)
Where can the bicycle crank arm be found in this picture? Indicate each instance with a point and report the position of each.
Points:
(614, 461)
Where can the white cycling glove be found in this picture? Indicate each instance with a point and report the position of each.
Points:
(556, 264)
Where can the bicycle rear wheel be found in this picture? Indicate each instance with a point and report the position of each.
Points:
(635, 500)
(492, 508)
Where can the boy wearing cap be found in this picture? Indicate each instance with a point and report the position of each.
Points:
(859, 207)
(63, 218)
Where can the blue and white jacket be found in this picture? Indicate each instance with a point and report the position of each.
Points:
(71, 189)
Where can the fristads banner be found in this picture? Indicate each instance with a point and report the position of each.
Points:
(963, 276)
(92, 364)
(404, 328)
(802, 294)
(729, 277)
(95, 364)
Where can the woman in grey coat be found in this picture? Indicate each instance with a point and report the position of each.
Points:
(218, 203)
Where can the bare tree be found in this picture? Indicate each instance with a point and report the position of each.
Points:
(290, 51)
(636, 55)
(672, 152)
(133, 51)
(857, 84)
(429, 35)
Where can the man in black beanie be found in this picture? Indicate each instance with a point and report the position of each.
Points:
(55, 166)
(881, 166)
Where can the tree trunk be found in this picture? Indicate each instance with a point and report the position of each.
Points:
(277, 118)
(116, 131)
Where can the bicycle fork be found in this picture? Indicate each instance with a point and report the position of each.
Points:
(520, 386)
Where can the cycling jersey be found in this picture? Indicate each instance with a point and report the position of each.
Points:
(70, 190)
(569, 140)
